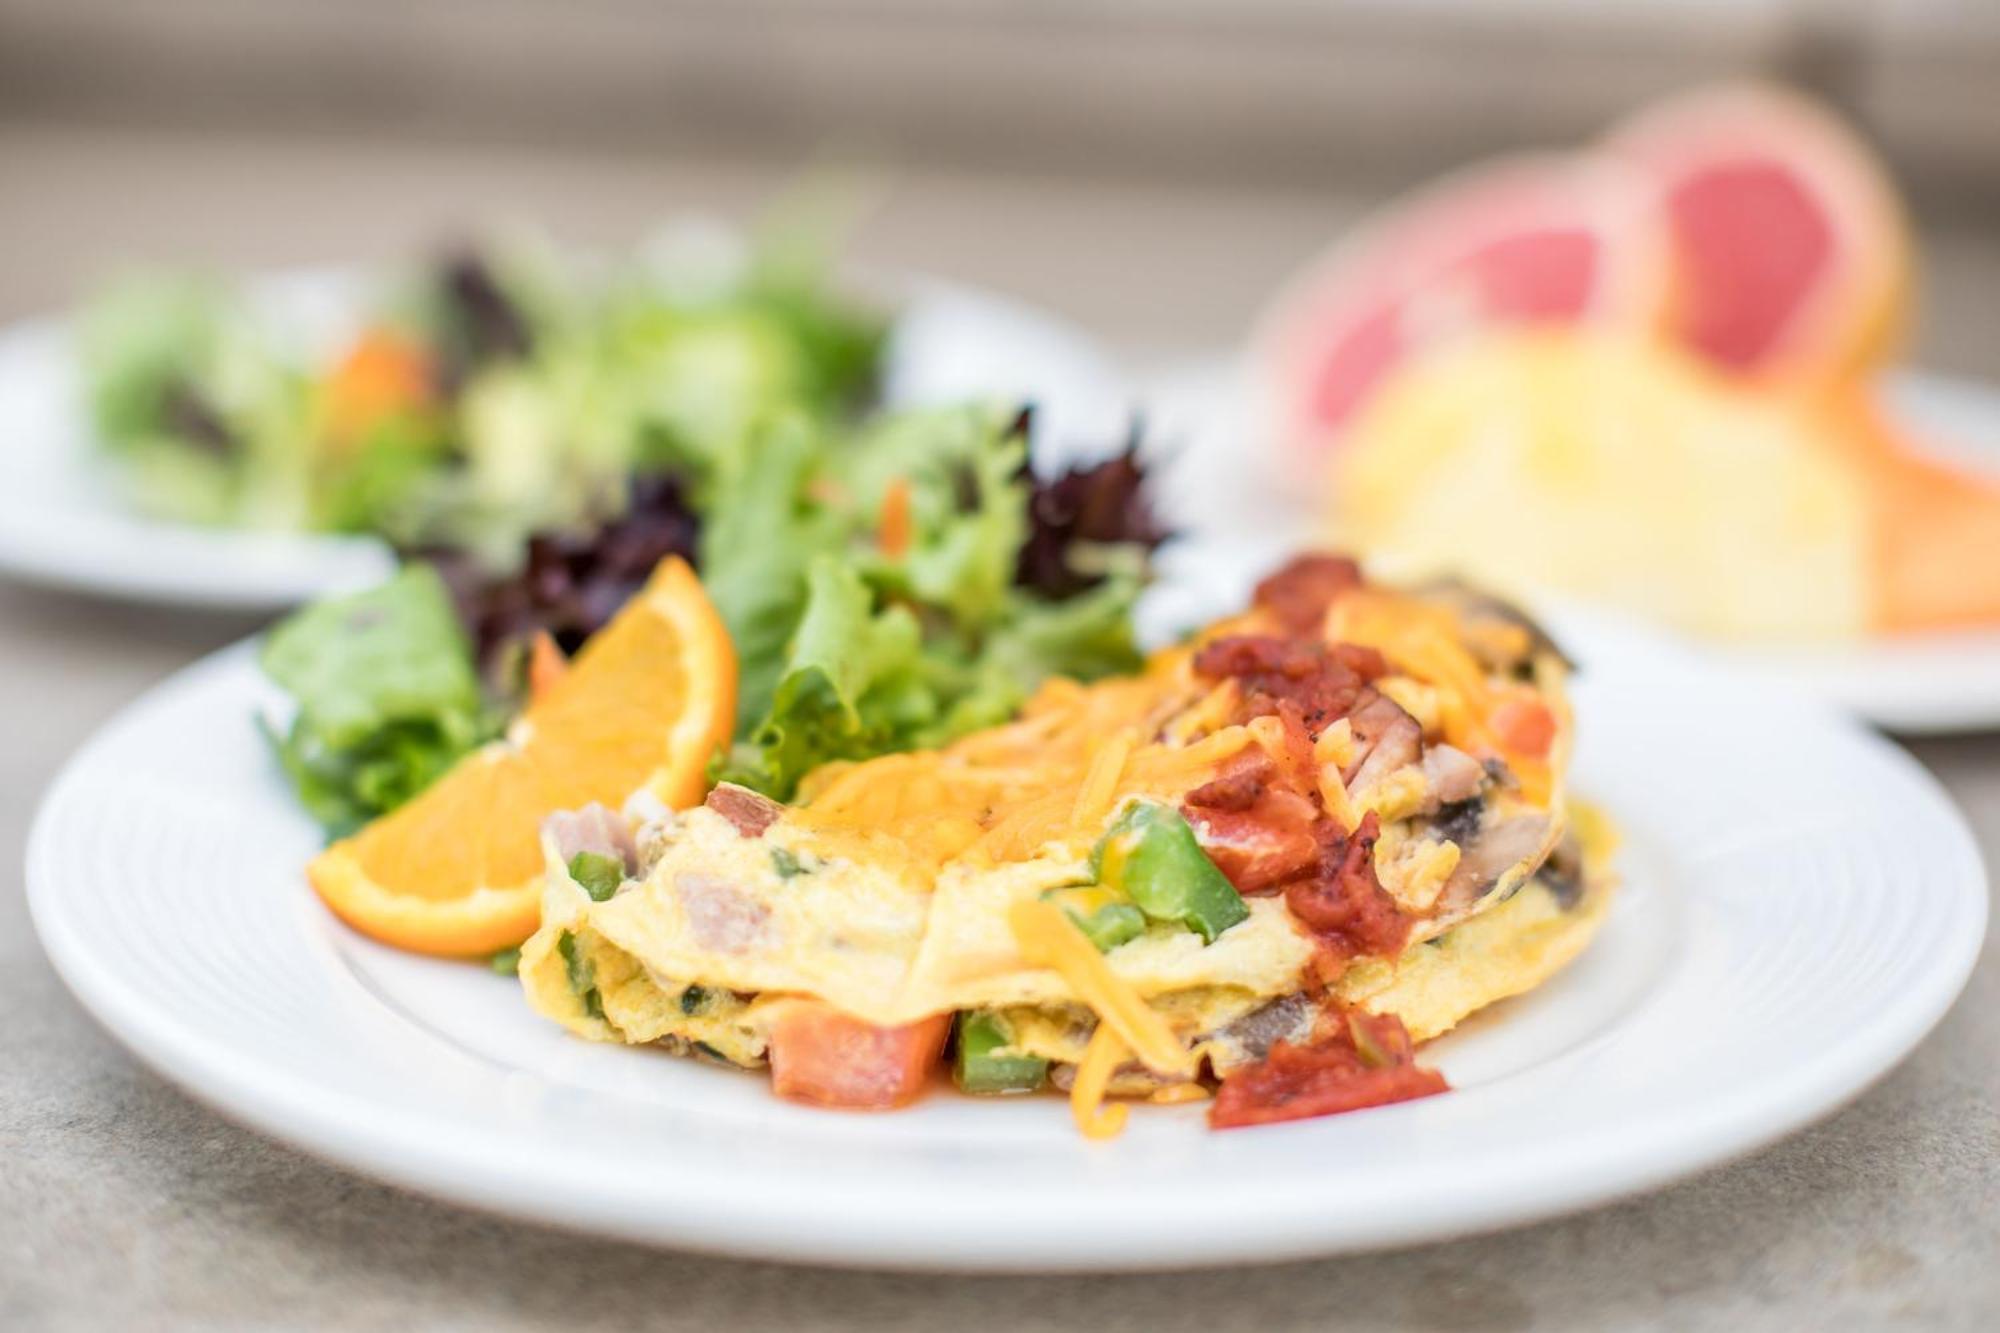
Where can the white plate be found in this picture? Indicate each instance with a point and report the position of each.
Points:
(65, 522)
(1801, 906)
(1916, 684)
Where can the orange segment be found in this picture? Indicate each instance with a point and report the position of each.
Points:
(645, 704)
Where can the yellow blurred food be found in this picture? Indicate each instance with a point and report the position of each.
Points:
(1614, 468)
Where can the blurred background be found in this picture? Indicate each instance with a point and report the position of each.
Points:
(1148, 167)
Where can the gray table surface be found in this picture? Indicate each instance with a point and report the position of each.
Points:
(125, 1204)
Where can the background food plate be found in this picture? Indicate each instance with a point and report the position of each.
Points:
(1922, 684)
(1801, 906)
(65, 522)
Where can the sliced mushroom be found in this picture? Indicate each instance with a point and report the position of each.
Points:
(1507, 848)
(1251, 1037)
(1450, 776)
(1481, 611)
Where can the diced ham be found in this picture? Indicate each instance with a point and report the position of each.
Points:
(720, 916)
(593, 829)
(748, 812)
(1243, 778)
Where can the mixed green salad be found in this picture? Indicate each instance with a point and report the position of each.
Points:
(486, 397)
(533, 436)
(889, 585)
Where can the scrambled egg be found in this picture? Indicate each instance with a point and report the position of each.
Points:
(721, 920)
(865, 933)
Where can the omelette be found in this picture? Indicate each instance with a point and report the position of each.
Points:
(1262, 871)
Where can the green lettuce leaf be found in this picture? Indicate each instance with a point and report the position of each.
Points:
(850, 685)
(386, 694)
(963, 467)
(849, 651)
(764, 527)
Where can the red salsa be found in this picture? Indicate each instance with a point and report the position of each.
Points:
(1365, 1060)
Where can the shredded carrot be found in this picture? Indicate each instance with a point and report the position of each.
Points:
(1176, 1094)
(894, 528)
(384, 373)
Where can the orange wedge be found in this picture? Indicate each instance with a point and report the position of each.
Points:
(458, 870)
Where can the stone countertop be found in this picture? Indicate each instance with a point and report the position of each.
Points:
(125, 1204)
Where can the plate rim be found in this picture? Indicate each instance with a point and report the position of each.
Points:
(396, 1146)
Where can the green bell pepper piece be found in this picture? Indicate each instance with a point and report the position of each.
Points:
(1150, 855)
(978, 1070)
(1106, 919)
(599, 875)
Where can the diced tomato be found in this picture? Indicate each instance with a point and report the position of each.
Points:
(1252, 849)
(1525, 726)
(823, 1056)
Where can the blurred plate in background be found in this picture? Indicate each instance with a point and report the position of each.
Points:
(64, 521)
(1917, 684)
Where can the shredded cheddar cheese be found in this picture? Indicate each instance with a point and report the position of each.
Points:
(1100, 782)
(1048, 938)
(1333, 751)
(1093, 1078)
(1052, 776)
